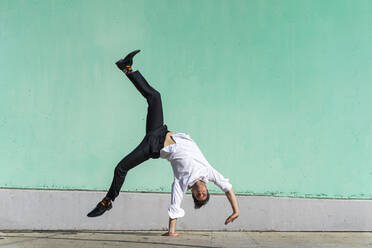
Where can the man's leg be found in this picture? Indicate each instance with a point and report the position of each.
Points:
(154, 110)
(136, 157)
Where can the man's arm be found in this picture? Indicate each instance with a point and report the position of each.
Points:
(172, 228)
(225, 186)
(234, 205)
(175, 211)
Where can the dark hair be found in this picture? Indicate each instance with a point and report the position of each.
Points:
(198, 203)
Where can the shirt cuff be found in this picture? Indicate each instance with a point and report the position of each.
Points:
(227, 187)
(175, 213)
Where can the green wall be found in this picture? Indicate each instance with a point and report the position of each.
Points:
(277, 94)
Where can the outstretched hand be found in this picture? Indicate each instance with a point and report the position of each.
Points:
(231, 218)
(170, 234)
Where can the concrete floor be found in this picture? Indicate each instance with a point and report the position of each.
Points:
(143, 239)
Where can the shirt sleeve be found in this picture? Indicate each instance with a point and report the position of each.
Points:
(175, 210)
(219, 180)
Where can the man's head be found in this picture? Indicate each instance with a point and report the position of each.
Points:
(200, 194)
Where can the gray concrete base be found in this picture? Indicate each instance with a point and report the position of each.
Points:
(66, 210)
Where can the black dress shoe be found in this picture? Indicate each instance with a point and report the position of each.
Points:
(127, 61)
(101, 207)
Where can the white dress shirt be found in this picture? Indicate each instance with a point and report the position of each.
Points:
(189, 165)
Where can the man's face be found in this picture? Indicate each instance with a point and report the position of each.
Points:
(199, 190)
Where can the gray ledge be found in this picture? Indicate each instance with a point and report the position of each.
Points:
(66, 210)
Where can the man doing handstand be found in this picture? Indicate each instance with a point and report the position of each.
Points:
(190, 168)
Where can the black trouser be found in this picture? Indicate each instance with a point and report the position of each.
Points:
(151, 143)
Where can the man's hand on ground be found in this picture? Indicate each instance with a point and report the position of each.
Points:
(170, 234)
(231, 218)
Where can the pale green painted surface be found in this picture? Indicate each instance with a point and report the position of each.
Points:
(277, 94)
